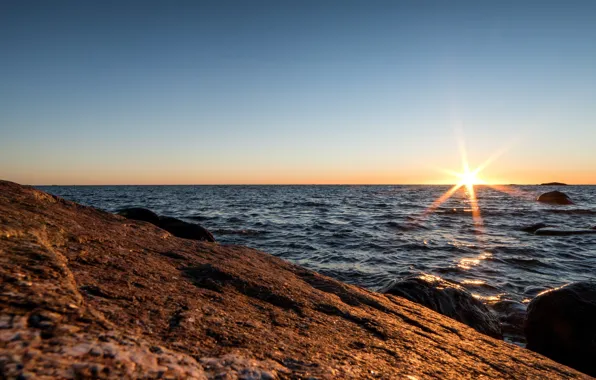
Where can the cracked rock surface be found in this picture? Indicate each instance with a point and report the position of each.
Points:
(88, 294)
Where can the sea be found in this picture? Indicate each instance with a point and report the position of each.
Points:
(372, 235)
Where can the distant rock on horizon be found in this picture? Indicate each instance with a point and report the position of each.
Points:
(553, 184)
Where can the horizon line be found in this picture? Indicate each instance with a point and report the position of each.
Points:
(313, 184)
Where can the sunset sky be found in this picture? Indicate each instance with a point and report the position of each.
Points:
(305, 92)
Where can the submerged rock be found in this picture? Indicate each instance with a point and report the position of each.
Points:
(543, 229)
(448, 299)
(555, 197)
(176, 227)
(550, 231)
(534, 227)
(561, 324)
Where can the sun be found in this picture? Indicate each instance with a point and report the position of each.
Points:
(469, 178)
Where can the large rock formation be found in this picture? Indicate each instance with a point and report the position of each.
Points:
(561, 324)
(88, 294)
(448, 299)
(555, 198)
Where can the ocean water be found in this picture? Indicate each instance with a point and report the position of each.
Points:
(370, 235)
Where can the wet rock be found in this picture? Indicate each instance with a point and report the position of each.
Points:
(560, 324)
(184, 229)
(549, 231)
(138, 213)
(176, 227)
(448, 299)
(555, 197)
(534, 227)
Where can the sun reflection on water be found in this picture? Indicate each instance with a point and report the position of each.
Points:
(469, 262)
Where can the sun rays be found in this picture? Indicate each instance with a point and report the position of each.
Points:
(467, 180)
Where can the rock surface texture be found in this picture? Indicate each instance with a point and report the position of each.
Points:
(555, 197)
(448, 299)
(561, 324)
(88, 294)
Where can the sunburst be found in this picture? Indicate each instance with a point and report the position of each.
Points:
(468, 179)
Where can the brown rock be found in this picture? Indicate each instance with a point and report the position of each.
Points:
(85, 293)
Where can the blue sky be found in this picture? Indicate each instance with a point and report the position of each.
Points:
(295, 92)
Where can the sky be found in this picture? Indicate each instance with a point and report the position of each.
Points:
(296, 92)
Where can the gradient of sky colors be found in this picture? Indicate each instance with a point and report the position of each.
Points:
(210, 92)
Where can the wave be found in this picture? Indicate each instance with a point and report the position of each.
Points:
(223, 231)
(405, 226)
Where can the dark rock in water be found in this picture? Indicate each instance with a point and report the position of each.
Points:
(138, 213)
(448, 299)
(531, 229)
(176, 227)
(555, 197)
(563, 232)
(512, 315)
(560, 324)
(553, 184)
(182, 229)
(543, 229)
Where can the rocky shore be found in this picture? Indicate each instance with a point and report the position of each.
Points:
(88, 294)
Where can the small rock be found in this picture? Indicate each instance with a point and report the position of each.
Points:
(555, 197)
(534, 227)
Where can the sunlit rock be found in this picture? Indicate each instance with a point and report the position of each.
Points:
(448, 299)
(88, 294)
